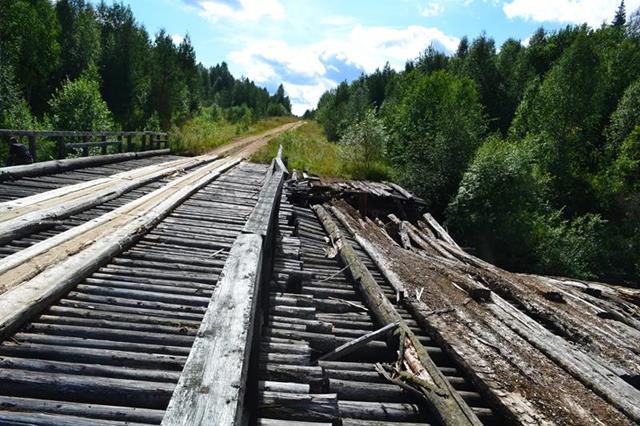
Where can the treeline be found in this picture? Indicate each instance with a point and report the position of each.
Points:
(530, 153)
(68, 65)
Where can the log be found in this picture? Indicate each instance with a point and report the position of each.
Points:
(301, 406)
(447, 404)
(105, 412)
(145, 394)
(18, 217)
(58, 166)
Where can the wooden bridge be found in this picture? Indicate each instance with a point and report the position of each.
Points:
(149, 288)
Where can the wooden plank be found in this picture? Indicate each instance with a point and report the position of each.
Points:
(261, 217)
(355, 344)
(213, 382)
(20, 216)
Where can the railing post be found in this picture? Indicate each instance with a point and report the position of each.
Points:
(129, 142)
(120, 143)
(143, 147)
(85, 149)
(61, 149)
(33, 147)
(103, 148)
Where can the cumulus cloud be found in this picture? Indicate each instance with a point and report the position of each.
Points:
(306, 69)
(593, 12)
(177, 39)
(240, 10)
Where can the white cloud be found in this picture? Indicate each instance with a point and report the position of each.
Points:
(303, 68)
(305, 96)
(593, 12)
(177, 39)
(432, 9)
(241, 10)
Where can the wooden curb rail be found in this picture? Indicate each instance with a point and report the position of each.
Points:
(213, 383)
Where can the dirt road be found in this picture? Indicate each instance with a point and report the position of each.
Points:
(247, 146)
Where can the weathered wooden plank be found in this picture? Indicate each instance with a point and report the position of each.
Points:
(355, 344)
(213, 382)
(20, 216)
(261, 217)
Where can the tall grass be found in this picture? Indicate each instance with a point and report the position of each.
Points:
(204, 133)
(307, 148)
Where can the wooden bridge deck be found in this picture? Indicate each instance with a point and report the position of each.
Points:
(210, 291)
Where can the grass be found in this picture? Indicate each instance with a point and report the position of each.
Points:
(201, 134)
(306, 148)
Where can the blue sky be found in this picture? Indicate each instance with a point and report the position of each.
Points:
(312, 45)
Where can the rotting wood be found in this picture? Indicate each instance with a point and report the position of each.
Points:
(444, 401)
(355, 344)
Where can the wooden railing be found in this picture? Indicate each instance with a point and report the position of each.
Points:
(71, 141)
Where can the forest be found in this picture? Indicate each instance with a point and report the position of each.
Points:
(529, 153)
(67, 65)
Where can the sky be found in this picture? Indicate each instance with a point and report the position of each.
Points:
(312, 45)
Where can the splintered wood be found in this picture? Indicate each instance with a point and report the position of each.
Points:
(546, 350)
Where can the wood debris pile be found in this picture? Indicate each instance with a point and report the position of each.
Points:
(542, 349)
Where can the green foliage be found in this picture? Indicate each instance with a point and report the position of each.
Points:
(436, 126)
(29, 39)
(559, 195)
(78, 105)
(501, 208)
(305, 149)
(363, 147)
(625, 118)
(48, 43)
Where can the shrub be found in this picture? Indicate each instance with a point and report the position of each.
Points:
(78, 105)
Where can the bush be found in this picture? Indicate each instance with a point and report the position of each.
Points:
(363, 146)
(78, 105)
(437, 125)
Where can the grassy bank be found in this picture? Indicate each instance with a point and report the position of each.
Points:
(202, 133)
(307, 148)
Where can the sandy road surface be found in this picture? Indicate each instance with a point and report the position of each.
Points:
(247, 146)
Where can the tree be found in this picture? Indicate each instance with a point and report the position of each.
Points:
(625, 119)
(436, 126)
(29, 38)
(79, 37)
(79, 106)
(480, 65)
(364, 142)
(14, 111)
(621, 16)
(125, 66)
